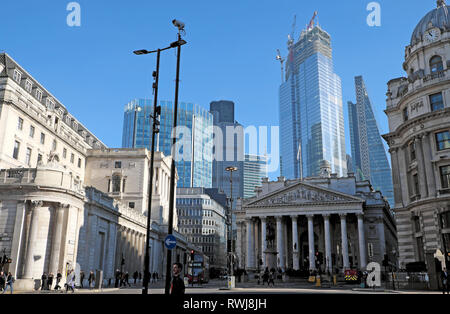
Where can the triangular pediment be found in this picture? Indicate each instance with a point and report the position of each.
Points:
(302, 193)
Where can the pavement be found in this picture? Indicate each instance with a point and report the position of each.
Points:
(218, 287)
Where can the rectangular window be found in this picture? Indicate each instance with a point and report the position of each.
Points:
(39, 94)
(443, 140)
(412, 150)
(437, 103)
(417, 224)
(54, 145)
(20, 124)
(42, 138)
(445, 220)
(445, 177)
(132, 205)
(28, 86)
(32, 131)
(72, 158)
(416, 184)
(28, 157)
(39, 160)
(17, 76)
(50, 104)
(65, 153)
(79, 162)
(16, 150)
(118, 165)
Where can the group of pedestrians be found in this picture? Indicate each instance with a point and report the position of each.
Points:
(267, 277)
(6, 280)
(47, 281)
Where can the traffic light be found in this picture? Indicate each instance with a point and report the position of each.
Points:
(192, 255)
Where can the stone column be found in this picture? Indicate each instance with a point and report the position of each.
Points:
(280, 244)
(403, 175)
(328, 262)
(57, 239)
(362, 242)
(427, 155)
(344, 241)
(295, 248)
(396, 178)
(264, 241)
(312, 255)
(249, 244)
(34, 230)
(421, 168)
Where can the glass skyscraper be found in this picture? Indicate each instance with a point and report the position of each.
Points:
(195, 170)
(255, 169)
(311, 110)
(369, 156)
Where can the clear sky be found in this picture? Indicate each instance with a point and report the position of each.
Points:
(230, 53)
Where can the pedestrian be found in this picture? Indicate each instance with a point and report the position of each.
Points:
(117, 277)
(44, 281)
(2, 281)
(140, 276)
(444, 281)
(81, 279)
(127, 276)
(266, 276)
(9, 283)
(271, 279)
(427, 281)
(91, 279)
(177, 287)
(50, 281)
(58, 280)
(135, 276)
(70, 281)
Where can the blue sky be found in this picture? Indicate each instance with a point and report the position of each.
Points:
(230, 53)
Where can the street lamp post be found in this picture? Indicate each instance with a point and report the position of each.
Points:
(180, 42)
(230, 223)
(155, 130)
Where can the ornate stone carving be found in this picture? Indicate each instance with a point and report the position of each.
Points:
(36, 204)
(299, 196)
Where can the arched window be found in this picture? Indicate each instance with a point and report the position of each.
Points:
(436, 64)
(116, 182)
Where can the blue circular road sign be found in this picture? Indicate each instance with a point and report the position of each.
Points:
(170, 242)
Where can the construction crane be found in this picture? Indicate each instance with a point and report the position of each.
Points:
(292, 35)
(281, 59)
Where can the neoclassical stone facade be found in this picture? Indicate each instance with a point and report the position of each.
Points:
(61, 208)
(418, 110)
(292, 224)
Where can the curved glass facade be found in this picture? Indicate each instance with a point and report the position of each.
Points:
(311, 110)
(195, 170)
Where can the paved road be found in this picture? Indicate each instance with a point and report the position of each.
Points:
(217, 287)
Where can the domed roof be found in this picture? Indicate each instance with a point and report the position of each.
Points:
(439, 17)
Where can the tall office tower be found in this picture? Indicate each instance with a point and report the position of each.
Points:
(194, 150)
(255, 169)
(369, 155)
(311, 110)
(232, 150)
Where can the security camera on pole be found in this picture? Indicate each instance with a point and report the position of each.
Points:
(180, 26)
(155, 123)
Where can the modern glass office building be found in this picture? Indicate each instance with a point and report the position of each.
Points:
(311, 109)
(369, 155)
(255, 169)
(194, 156)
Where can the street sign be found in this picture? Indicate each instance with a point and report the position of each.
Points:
(170, 242)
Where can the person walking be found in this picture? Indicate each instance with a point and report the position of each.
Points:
(135, 276)
(271, 279)
(91, 279)
(117, 277)
(444, 281)
(50, 281)
(70, 281)
(2, 281)
(177, 287)
(44, 282)
(127, 277)
(81, 279)
(266, 276)
(58, 280)
(9, 283)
